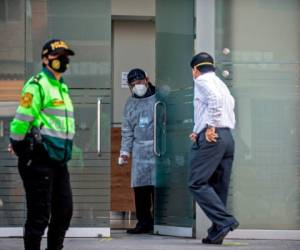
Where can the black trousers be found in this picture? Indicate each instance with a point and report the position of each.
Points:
(210, 170)
(49, 202)
(144, 197)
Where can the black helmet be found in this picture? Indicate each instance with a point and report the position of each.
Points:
(135, 74)
(202, 59)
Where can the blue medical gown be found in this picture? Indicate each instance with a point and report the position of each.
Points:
(137, 139)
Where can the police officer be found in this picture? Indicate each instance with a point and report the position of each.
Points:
(41, 136)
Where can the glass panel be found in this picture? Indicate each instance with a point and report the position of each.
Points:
(174, 49)
(12, 71)
(257, 41)
(263, 73)
(2, 10)
(14, 10)
(87, 28)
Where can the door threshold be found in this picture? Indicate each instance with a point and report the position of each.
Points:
(260, 234)
(173, 231)
(73, 232)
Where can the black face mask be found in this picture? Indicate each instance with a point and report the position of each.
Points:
(59, 64)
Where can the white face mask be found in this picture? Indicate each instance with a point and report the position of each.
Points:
(139, 89)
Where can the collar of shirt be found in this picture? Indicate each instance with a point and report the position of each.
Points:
(54, 81)
(205, 76)
(50, 75)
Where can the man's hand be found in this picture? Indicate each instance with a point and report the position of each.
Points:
(193, 136)
(123, 159)
(211, 135)
(10, 149)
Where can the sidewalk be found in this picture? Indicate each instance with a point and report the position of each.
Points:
(121, 241)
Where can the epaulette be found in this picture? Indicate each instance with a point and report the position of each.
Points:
(36, 80)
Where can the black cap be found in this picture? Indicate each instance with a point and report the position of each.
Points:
(55, 46)
(135, 74)
(202, 59)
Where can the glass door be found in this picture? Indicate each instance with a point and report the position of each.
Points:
(87, 28)
(25, 25)
(257, 49)
(174, 116)
(12, 76)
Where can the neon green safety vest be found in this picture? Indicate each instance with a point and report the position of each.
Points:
(46, 104)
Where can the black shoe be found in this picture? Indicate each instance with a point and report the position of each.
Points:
(221, 234)
(211, 231)
(139, 230)
(208, 241)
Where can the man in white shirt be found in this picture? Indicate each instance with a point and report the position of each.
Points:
(213, 147)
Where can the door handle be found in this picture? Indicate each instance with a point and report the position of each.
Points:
(159, 154)
(226, 51)
(99, 102)
(1, 128)
(225, 73)
(155, 129)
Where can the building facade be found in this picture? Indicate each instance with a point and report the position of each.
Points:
(256, 45)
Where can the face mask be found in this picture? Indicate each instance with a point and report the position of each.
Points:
(59, 64)
(139, 89)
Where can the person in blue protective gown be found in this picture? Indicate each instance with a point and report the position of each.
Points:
(137, 142)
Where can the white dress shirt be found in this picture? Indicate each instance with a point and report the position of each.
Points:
(213, 103)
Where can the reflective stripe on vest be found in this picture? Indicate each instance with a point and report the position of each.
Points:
(24, 117)
(58, 112)
(58, 134)
(17, 137)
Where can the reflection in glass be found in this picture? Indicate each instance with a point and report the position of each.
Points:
(174, 49)
(264, 78)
